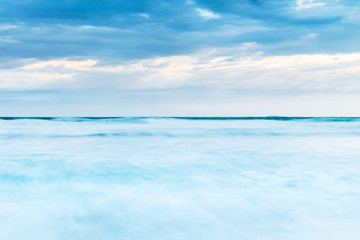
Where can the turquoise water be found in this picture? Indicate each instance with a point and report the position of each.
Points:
(180, 178)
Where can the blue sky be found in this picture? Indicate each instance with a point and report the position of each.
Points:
(198, 58)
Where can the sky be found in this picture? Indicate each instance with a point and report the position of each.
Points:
(179, 58)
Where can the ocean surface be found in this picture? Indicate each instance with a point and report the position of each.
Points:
(270, 178)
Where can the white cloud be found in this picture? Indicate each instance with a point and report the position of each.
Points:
(64, 63)
(4, 27)
(43, 74)
(206, 14)
(233, 30)
(144, 15)
(91, 28)
(226, 68)
(305, 4)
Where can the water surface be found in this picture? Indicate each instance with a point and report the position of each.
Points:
(180, 178)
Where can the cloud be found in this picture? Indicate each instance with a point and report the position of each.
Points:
(4, 27)
(41, 74)
(305, 4)
(227, 68)
(143, 29)
(206, 14)
(145, 15)
(63, 63)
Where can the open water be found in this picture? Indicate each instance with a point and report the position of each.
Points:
(271, 178)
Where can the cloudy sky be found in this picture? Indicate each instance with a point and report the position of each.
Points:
(179, 57)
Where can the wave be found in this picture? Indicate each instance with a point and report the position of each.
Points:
(139, 119)
(277, 118)
(205, 134)
(75, 119)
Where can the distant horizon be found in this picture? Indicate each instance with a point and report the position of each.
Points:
(185, 117)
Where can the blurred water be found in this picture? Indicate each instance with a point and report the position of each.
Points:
(180, 178)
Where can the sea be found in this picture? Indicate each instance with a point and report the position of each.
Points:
(164, 178)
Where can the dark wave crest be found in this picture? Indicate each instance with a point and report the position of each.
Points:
(137, 119)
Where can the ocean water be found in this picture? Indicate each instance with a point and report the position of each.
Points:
(180, 178)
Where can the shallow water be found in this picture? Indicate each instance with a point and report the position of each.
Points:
(180, 178)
